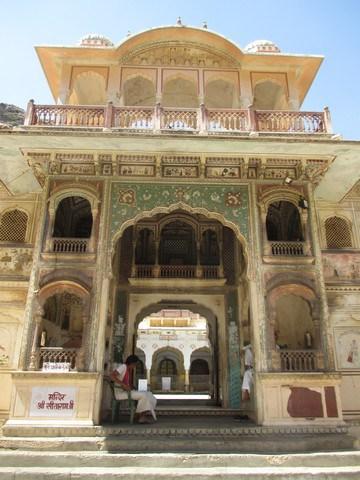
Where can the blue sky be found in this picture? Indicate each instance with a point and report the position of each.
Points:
(322, 27)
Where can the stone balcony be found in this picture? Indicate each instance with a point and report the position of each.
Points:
(158, 119)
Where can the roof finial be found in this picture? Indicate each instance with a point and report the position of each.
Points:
(205, 24)
(178, 21)
(128, 33)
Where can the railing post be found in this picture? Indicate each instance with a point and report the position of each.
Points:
(109, 113)
(327, 120)
(202, 120)
(29, 115)
(157, 118)
(252, 119)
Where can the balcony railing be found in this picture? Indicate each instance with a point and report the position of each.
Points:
(70, 245)
(177, 271)
(57, 358)
(298, 360)
(292, 249)
(195, 120)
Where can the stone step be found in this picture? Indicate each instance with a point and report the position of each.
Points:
(176, 441)
(136, 473)
(180, 461)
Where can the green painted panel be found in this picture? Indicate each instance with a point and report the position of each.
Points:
(234, 351)
(129, 200)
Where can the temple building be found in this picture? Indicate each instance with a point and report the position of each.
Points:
(176, 202)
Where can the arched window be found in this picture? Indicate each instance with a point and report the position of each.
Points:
(145, 247)
(167, 367)
(13, 225)
(268, 95)
(283, 222)
(219, 94)
(338, 233)
(89, 88)
(199, 367)
(179, 92)
(177, 244)
(64, 320)
(73, 218)
(209, 248)
(139, 91)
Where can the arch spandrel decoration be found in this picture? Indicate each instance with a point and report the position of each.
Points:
(228, 203)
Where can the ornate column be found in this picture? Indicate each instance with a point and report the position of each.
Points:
(247, 97)
(50, 230)
(133, 266)
(38, 317)
(305, 229)
(326, 332)
(198, 265)
(221, 254)
(81, 357)
(266, 245)
(157, 266)
(113, 84)
(94, 231)
(257, 295)
(31, 301)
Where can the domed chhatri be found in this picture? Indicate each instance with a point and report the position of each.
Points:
(95, 40)
(262, 46)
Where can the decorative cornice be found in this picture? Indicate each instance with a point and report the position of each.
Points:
(211, 168)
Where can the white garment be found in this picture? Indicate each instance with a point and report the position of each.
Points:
(248, 356)
(248, 380)
(146, 402)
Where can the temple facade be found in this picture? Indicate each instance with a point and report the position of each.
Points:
(176, 202)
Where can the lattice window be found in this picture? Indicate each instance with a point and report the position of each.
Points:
(338, 234)
(13, 226)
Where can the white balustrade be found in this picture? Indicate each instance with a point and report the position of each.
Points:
(70, 245)
(292, 249)
(298, 360)
(185, 119)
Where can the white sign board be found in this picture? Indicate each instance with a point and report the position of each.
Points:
(56, 367)
(166, 384)
(54, 401)
(142, 385)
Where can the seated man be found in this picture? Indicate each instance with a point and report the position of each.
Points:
(122, 378)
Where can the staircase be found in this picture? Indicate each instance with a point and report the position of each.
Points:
(199, 447)
(35, 465)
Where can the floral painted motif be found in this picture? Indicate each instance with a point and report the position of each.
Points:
(233, 199)
(127, 197)
(129, 200)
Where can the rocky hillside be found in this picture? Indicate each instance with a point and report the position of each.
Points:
(11, 115)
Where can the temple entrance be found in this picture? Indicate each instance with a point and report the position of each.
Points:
(177, 351)
(180, 302)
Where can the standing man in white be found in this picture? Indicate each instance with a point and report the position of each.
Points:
(122, 377)
(248, 373)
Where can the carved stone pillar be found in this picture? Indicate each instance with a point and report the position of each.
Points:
(324, 319)
(81, 357)
(50, 231)
(198, 265)
(221, 256)
(157, 117)
(92, 238)
(266, 244)
(38, 317)
(187, 380)
(305, 230)
(157, 266)
(133, 266)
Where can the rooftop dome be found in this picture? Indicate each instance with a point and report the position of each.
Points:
(95, 40)
(262, 46)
